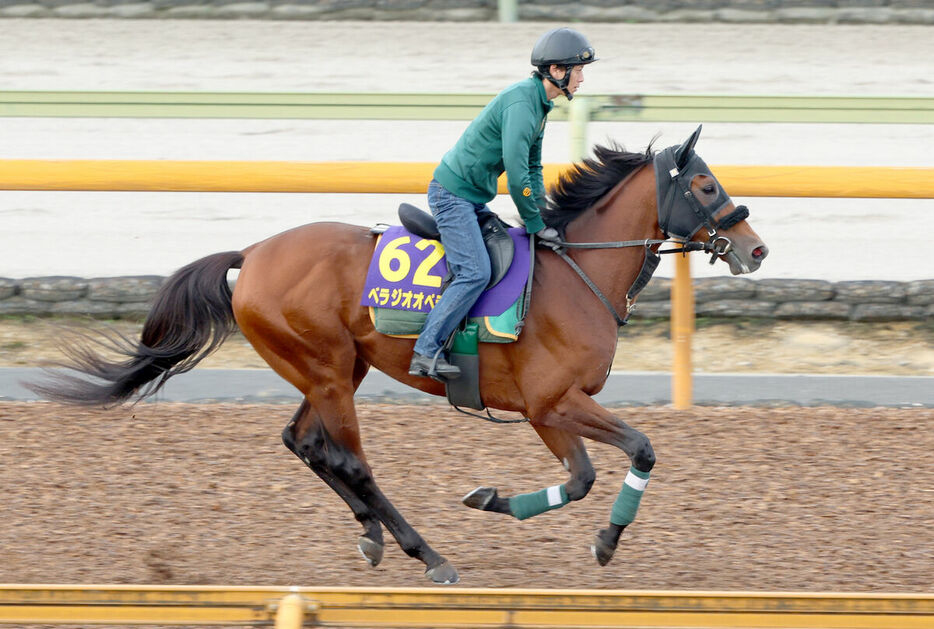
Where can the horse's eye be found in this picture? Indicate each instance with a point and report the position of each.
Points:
(709, 189)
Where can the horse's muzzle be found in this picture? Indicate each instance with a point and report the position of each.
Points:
(745, 260)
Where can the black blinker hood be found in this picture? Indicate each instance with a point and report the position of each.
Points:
(680, 214)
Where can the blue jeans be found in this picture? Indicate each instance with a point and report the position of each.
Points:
(467, 259)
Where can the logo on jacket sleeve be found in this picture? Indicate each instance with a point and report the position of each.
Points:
(526, 192)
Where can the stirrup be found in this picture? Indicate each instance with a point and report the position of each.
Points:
(438, 368)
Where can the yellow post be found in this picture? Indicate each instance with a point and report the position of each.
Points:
(291, 612)
(682, 327)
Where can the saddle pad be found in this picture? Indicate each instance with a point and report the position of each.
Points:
(405, 323)
(406, 271)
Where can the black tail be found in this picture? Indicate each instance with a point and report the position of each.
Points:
(190, 318)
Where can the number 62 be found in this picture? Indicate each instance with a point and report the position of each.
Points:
(392, 253)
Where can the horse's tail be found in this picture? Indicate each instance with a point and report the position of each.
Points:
(191, 316)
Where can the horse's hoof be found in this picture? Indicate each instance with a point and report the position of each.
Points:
(480, 498)
(601, 549)
(444, 574)
(371, 551)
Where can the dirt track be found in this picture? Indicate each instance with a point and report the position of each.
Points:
(741, 498)
(762, 499)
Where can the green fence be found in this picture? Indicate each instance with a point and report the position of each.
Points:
(381, 106)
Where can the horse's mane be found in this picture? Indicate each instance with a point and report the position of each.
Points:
(587, 182)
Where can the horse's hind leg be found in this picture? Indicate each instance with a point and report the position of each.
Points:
(570, 450)
(328, 436)
(370, 543)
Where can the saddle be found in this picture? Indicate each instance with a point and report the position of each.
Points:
(499, 244)
(400, 307)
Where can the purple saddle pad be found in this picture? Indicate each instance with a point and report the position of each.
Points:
(406, 272)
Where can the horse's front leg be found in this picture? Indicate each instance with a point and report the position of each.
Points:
(570, 450)
(579, 414)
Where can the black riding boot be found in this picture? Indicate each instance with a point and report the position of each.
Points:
(433, 367)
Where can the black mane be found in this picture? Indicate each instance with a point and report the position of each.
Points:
(586, 183)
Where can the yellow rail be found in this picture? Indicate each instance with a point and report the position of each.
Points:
(458, 607)
(413, 177)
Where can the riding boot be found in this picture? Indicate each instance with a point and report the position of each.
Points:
(433, 367)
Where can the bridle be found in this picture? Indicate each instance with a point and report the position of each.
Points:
(680, 216)
(680, 213)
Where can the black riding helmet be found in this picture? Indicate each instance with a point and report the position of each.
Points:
(563, 47)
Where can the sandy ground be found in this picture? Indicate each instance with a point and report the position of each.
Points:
(251, 55)
(92, 234)
(741, 499)
(759, 499)
(720, 346)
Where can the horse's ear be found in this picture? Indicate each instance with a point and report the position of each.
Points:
(684, 151)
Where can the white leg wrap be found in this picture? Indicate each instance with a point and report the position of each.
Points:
(554, 495)
(635, 482)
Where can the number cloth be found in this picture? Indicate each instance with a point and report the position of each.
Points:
(406, 272)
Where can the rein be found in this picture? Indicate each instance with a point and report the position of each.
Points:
(644, 275)
(619, 244)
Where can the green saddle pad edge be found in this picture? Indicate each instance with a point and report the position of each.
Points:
(498, 329)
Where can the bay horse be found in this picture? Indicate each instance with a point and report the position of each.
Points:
(298, 302)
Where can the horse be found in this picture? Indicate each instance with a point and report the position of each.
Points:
(297, 300)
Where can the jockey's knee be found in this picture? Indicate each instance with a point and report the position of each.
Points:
(476, 275)
(580, 483)
(643, 457)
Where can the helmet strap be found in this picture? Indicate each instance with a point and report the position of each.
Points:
(561, 84)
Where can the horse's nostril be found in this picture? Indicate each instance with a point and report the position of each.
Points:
(760, 252)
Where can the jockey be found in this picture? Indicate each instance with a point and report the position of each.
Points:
(505, 136)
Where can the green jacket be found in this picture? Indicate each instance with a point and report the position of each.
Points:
(505, 136)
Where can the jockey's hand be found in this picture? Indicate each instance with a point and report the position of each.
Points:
(549, 234)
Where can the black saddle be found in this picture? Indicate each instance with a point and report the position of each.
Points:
(499, 244)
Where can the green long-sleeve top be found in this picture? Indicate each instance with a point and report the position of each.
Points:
(505, 136)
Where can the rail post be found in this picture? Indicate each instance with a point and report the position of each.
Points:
(508, 10)
(682, 327)
(578, 117)
(291, 612)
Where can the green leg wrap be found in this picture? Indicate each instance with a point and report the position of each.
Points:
(526, 505)
(627, 503)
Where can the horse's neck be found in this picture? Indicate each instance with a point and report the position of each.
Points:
(627, 213)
